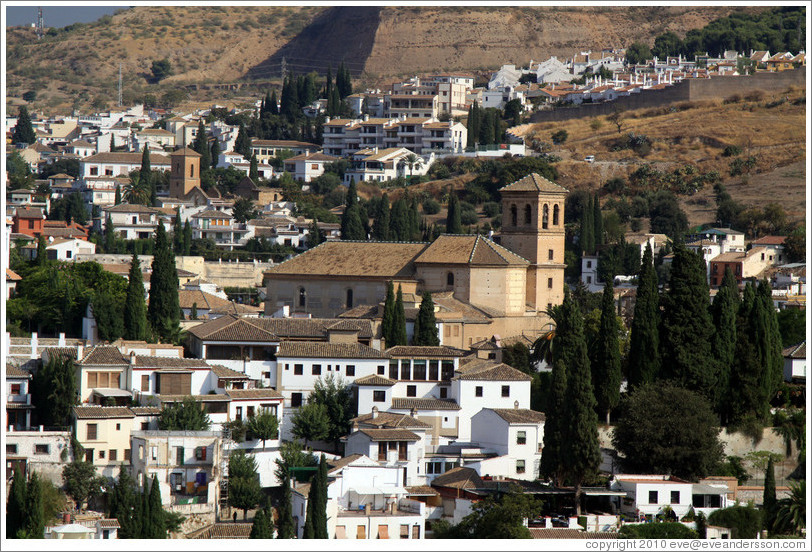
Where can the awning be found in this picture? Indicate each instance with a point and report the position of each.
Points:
(365, 490)
(700, 489)
(112, 392)
(383, 531)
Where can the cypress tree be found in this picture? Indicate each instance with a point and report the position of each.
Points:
(454, 217)
(425, 327)
(725, 305)
(552, 461)
(399, 326)
(399, 221)
(124, 506)
(145, 174)
(644, 353)
(414, 219)
(380, 226)
(164, 310)
(253, 171)
(597, 220)
(315, 235)
(320, 507)
(581, 451)
(285, 528)
(687, 331)
(486, 135)
(16, 507)
(200, 143)
(177, 234)
(42, 253)
(606, 369)
(117, 200)
(273, 106)
(143, 512)
(156, 520)
(388, 318)
(470, 122)
(187, 238)
(587, 235)
(352, 227)
(746, 397)
(24, 130)
(242, 144)
(109, 235)
(769, 341)
(769, 498)
(214, 153)
(261, 528)
(34, 514)
(309, 529)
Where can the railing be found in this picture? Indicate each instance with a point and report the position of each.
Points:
(26, 399)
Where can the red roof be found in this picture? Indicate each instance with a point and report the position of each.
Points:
(770, 240)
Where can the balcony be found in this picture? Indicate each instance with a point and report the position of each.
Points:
(19, 399)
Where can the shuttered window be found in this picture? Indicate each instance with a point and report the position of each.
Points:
(175, 384)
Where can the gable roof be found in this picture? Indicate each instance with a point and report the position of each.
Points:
(102, 412)
(127, 158)
(316, 157)
(390, 420)
(407, 403)
(169, 363)
(222, 531)
(102, 354)
(424, 351)
(534, 182)
(458, 478)
(491, 371)
(350, 258)
(186, 152)
(234, 328)
(375, 380)
(320, 349)
(131, 208)
(519, 415)
(247, 394)
(470, 250)
(16, 372)
(212, 303)
(390, 434)
(796, 351)
(223, 372)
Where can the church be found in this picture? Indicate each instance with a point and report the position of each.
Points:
(481, 288)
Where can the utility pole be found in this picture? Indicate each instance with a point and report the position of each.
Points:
(40, 25)
(119, 86)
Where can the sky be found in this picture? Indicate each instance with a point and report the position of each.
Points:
(56, 16)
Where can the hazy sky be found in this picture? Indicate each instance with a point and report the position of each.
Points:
(56, 16)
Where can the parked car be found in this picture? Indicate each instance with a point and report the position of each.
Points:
(589, 158)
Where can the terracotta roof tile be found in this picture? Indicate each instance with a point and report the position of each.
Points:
(304, 349)
(421, 490)
(390, 420)
(223, 372)
(266, 393)
(102, 412)
(796, 351)
(339, 463)
(188, 152)
(471, 250)
(390, 434)
(102, 354)
(491, 371)
(405, 403)
(375, 380)
(109, 523)
(145, 410)
(423, 351)
(164, 363)
(234, 328)
(62, 353)
(347, 258)
(458, 478)
(16, 372)
(129, 158)
(313, 157)
(282, 144)
(519, 415)
(534, 183)
(223, 531)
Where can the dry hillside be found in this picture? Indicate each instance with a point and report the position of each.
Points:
(227, 44)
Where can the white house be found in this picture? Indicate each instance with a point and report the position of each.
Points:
(649, 495)
(307, 166)
(46, 452)
(386, 164)
(516, 435)
(221, 227)
(61, 249)
(156, 138)
(134, 221)
(795, 363)
(120, 163)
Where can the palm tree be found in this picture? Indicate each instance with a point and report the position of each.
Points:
(791, 514)
(136, 192)
(412, 160)
(542, 349)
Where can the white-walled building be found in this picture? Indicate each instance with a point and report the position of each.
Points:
(795, 363)
(307, 166)
(516, 435)
(649, 495)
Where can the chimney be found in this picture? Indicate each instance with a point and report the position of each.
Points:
(393, 506)
(374, 412)
(66, 518)
(132, 358)
(80, 352)
(516, 405)
(367, 508)
(413, 412)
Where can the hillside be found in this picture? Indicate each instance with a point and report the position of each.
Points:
(216, 45)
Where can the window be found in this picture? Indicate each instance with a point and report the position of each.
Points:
(589, 264)
(545, 215)
(42, 449)
(89, 455)
(250, 411)
(449, 279)
(555, 215)
(350, 371)
(404, 531)
(113, 455)
(302, 297)
(514, 215)
(16, 388)
(444, 392)
(521, 437)
(349, 298)
(11, 449)
(118, 427)
(419, 370)
(405, 370)
(528, 214)
(200, 453)
(144, 426)
(180, 455)
(92, 431)
(239, 413)
(393, 369)
(316, 370)
(127, 455)
(448, 370)
(505, 390)
(434, 369)
(550, 254)
(145, 383)
(674, 497)
(296, 400)
(298, 369)
(379, 396)
(478, 391)
(549, 283)
(653, 498)
(381, 370)
(411, 390)
(382, 448)
(101, 454)
(191, 171)
(153, 452)
(94, 171)
(519, 466)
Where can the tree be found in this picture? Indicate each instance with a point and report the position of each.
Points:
(106, 306)
(747, 397)
(311, 422)
(425, 327)
(352, 227)
(81, 482)
(616, 118)
(768, 343)
(15, 507)
(597, 221)
(135, 309)
(123, 502)
(769, 500)
(187, 415)
(496, 517)
(109, 236)
(34, 515)
(292, 456)
(244, 210)
(559, 136)
(163, 312)
(193, 312)
(745, 521)
(380, 225)
(318, 499)
(263, 426)
(54, 391)
(453, 218)
(399, 322)
(284, 525)
(687, 331)
(555, 427)
(214, 154)
(42, 252)
(668, 429)
(243, 143)
(790, 514)
(606, 368)
(244, 491)
(187, 238)
(336, 397)
(253, 170)
(161, 69)
(261, 528)
(388, 317)
(24, 130)
(725, 305)
(664, 530)
(637, 52)
(154, 524)
(145, 175)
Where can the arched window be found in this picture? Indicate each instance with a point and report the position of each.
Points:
(349, 298)
(555, 215)
(545, 215)
(302, 297)
(528, 214)
(449, 279)
(514, 215)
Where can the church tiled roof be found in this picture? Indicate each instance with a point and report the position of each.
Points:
(534, 183)
(349, 258)
(471, 250)
(320, 349)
